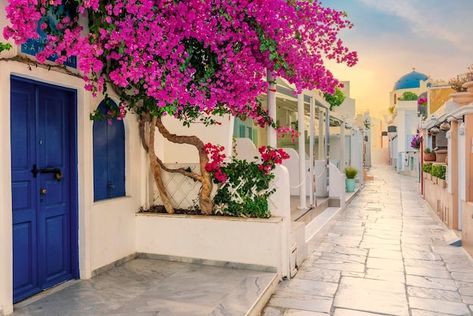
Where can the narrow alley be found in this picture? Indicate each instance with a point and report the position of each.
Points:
(387, 254)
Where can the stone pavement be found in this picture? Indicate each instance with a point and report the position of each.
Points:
(153, 287)
(385, 254)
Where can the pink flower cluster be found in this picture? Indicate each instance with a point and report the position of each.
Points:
(192, 52)
(271, 157)
(24, 16)
(214, 166)
(287, 131)
(422, 101)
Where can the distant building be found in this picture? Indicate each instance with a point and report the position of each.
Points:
(348, 108)
(414, 82)
(405, 121)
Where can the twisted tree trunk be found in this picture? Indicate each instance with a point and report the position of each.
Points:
(155, 167)
(205, 201)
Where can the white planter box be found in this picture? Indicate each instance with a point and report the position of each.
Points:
(259, 242)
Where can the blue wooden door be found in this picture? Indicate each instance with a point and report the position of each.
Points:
(42, 152)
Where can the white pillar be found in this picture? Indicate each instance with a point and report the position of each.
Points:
(272, 135)
(321, 155)
(302, 166)
(311, 151)
(342, 146)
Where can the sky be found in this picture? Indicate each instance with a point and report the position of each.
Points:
(393, 36)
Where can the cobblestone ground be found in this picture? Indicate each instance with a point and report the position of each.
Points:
(386, 254)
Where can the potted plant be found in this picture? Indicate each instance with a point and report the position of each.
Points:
(439, 174)
(463, 85)
(429, 155)
(350, 173)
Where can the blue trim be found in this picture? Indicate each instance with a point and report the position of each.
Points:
(74, 171)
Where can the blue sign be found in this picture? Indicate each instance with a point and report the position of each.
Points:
(34, 46)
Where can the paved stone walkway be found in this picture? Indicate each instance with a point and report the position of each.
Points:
(386, 254)
(145, 287)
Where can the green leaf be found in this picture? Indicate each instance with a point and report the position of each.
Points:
(5, 46)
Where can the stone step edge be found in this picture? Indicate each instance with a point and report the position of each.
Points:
(263, 299)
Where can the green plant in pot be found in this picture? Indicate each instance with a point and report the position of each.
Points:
(350, 173)
(429, 155)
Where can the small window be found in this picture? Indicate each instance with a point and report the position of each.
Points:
(109, 156)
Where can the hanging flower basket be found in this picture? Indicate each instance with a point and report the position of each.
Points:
(415, 141)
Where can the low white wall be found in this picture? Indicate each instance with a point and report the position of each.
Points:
(292, 165)
(280, 205)
(337, 184)
(246, 149)
(262, 242)
(247, 241)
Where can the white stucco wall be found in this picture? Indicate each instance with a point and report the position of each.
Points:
(357, 153)
(181, 153)
(347, 109)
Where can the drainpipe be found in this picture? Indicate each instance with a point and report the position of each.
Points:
(302, 166)
(311, 151)
(271, 132)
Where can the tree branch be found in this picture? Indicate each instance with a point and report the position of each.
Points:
(31, 62)
(182, 171)
(190, 174)
(179, 139)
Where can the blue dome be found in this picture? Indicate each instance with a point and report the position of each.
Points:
(410, 81)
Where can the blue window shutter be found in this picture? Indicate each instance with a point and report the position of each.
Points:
(116, 159)
(109, 158)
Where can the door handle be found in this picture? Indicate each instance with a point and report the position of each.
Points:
(57, 172)
(43, 191)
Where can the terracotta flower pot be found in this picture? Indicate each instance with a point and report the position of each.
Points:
(429, 157)
(462, 98)
(441, 155)
(468, 86)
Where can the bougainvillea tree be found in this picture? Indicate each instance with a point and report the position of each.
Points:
(191, 59)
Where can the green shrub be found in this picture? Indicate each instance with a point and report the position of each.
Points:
(335, 99)
(351, 172)
(246, 192)
(427, 167)
(428, 150)
(439, 171)
(409, 96)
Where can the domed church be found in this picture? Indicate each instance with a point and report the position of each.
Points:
(414, 81)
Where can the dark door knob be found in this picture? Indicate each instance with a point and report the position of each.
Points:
(43, 191)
